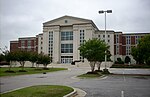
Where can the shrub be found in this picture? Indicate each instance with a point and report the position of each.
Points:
(119, 61)
(106, 71)
(10, 71)
(22, 71)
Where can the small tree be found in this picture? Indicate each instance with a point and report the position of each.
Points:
(46, 60)
(93, 50)
(22, 57)
(143, 47)
(2, 57)
(10, 57)
(102, 58)
(33, 58)
(141, 53)
(127, 59)
(43, 59)
(137, 55)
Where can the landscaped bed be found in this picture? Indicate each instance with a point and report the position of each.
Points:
(40, 91)
(16, 70)
(91, 75)
(129, 66)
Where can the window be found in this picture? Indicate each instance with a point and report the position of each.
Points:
(29, 43)
(117, 50)
(108, 40)
(103, 36)
(117, 38)
(108, 36)
(128, 50)
(66, 59)
(66, 48)
(66, 21)
(81, 37)
(128, 40)
(22, 43)
(50, 43)
(66, 36)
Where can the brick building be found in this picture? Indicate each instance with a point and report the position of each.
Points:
(62, 37)
(25, 44)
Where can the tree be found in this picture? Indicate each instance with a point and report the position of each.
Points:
(144, 49)
(33, 58)
(135, 52)
(94, 51)
(127, 59)
(46, 60)
(43, 59)
(10, 57)
(22, 57)
(2, 58)
(141, 53)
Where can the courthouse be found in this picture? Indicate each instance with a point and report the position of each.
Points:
(62, 37)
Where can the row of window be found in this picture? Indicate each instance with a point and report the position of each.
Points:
(81, 41)
(128, 50)
(66, 36)
(66, 48)
(50, 51)
(28, 43)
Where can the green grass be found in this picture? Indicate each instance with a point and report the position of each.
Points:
(90, 75)
(28, 69)
(40, 91)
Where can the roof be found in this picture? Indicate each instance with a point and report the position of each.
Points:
(82, 21)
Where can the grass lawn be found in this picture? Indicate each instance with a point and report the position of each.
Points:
(40, 91)
(28, 69)
(90, 75)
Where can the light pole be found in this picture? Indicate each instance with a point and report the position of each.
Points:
(100, 12)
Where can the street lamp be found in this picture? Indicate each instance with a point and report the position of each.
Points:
(100, 12)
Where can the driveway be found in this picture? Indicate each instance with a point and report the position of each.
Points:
(110, 86)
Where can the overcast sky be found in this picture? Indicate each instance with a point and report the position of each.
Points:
(24, 18)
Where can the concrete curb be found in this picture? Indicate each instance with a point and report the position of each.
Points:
(72, 94)
(76, 93)
(80, 93)
(133, 74)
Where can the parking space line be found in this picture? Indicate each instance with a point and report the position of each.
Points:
(124, 79)
(122, 93)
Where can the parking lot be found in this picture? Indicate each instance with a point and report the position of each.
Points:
(116, 86)
(109, 86)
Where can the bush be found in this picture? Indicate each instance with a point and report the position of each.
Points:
(92, 72)
(98, 71)
(127, 59)
(119, 61)
(10, 71)
(106, 71)
(45, 68)
(22, 71)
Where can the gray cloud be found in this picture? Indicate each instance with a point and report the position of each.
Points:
(20, 18)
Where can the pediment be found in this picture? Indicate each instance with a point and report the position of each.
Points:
(67, 20)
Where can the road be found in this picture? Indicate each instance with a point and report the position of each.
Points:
(110, 86)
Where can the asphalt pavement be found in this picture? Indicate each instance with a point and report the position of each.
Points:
(109, 86)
